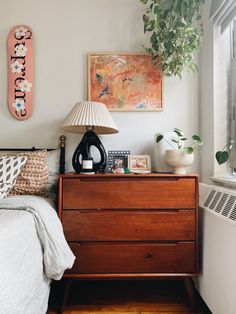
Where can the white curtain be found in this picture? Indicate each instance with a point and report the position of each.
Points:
(232, 121)
(223, 12)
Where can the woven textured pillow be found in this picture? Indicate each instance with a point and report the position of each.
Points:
(10, 167)
(33, 177)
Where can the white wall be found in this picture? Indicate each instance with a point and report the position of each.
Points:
(64, 32)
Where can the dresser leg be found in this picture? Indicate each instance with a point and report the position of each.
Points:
(67, 287)
(189, 286)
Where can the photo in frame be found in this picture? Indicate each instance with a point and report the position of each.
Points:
(139, 163)
(118, 159)
(125, 81)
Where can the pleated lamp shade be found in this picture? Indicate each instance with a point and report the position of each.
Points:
(90, 114)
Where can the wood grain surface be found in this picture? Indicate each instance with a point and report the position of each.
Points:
(117, 225)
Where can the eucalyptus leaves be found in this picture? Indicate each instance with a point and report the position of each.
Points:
(174, 34)
(179, 141)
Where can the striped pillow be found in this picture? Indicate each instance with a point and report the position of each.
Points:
(34, 176)
(10, 167)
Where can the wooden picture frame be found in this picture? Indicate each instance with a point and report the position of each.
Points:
(139, 163)
(125, 81)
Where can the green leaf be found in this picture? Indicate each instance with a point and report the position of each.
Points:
(163, 25)
(166, 4)
(197, 140)
(178, 132)
(154, 41)
(165, 13)
(176, 129)
(188, 150)
(180, 24)
(168, 45)
(150, 26)
(144, 1)
(159, 138)
(222, 157)
(145, 18)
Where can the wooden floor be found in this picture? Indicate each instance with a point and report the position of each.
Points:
(136, 297)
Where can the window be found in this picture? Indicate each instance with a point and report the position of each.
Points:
(225, 87)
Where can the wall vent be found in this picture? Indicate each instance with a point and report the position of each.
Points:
(209, 198)
(222, 202)
(228, 205)
(233, 213)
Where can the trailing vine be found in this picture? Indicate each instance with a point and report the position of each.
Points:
(175, 34)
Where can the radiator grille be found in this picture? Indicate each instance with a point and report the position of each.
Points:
(222, 203)
(228, 205)
(209, 198)
(233, 214)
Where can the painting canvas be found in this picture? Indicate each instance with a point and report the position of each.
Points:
(124, 82)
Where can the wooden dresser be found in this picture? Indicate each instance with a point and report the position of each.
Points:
(131, 226)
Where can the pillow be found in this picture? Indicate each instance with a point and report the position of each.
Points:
(10, 167)
(53, 162)
(33, 177)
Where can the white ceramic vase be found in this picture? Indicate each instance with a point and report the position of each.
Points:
(179, 160)
(159, 163)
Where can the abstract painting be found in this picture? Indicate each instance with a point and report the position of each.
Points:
(124, 82)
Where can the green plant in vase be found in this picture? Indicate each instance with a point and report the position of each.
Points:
(181, 156)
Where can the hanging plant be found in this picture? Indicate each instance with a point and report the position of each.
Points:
(174, 34)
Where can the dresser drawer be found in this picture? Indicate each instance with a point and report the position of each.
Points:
(116, 225)
(129, 192)
(112, 258)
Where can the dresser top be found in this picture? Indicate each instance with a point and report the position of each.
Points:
(73, 175)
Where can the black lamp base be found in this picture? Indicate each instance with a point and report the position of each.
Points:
(82, 152)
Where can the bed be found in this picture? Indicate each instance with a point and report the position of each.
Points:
(33, 251)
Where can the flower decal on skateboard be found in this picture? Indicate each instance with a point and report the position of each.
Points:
(20, 72)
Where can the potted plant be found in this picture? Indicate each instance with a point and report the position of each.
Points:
(223, 155)
(180, 156)
(175, 34)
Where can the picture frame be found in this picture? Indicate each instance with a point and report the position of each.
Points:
(125, 81)
(118, 159)
(139, 163)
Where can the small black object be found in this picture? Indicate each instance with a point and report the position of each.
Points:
(82, 152)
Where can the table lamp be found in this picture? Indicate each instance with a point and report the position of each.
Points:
(89, 117)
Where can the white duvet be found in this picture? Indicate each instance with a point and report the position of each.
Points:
(33, 251)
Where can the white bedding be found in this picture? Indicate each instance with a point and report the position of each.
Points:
(33, 251)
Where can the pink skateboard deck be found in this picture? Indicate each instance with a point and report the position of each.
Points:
(20, 72)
